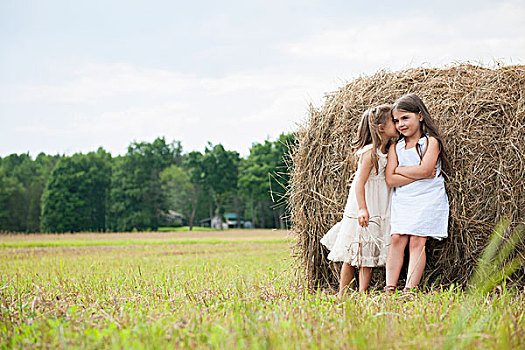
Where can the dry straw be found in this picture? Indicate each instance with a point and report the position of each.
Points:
(481, 114)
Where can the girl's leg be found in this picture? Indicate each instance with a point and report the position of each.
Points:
(417, 261)
(347, 275)
(394, 258)
(365, 275)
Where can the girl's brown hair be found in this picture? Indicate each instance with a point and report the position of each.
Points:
(413, 104)
(368, 131)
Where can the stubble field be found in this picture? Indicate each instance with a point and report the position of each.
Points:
(231, 289)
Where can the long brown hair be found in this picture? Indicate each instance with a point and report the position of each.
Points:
(413, 104)
(368, 131)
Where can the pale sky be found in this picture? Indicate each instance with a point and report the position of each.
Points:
(76, 75)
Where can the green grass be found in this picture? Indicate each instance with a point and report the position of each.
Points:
(227, 296)
(131, 242)
(186, 228)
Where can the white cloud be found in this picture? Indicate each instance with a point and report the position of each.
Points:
(112, 104)
(395, 42)
(288, 105)
(99, 81)
(138, 120)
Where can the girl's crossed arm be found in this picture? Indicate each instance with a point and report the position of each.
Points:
(427, 168)
(393, 179)
(363, 172)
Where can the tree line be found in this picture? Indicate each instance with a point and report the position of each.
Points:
(141, 189)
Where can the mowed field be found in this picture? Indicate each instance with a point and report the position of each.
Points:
(142, 238)
(229, 289)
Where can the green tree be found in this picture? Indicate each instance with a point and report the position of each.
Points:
(254, 181)
(220, 174)
(75, 196)
(182, 194)
(19, 171)
(280, 176)
(21, 186)
(8, 188)
(194, 166)
(44, 165)
(263, 179)
(137, 200)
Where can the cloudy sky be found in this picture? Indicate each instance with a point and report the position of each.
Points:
(76, 75)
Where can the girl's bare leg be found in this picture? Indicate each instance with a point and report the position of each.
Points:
(417, 261)
(394, 258)
(347, 275)
(365, 275)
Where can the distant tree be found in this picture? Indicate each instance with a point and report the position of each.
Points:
(263, 179)
(137, 200)
(182, 194)
(19, 171)
(8, 189)
(75, 196)
(254, 180)
(21, 185)
(194, 165)
(44, 165)
(280, 176)
(220, 174)
(150, 179)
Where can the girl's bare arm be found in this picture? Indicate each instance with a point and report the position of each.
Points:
(393, 179)
(427, 166)
(363, 172)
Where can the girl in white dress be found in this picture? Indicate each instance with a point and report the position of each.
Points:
(419, 208)
(360, 239)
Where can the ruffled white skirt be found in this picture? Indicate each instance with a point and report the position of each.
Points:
(362, 246)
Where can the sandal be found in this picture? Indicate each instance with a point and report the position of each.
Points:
(412, 290)
(390, 289)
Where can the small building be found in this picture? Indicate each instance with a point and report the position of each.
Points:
(216, 222)
(173, 218)
(232, 221)
(228, 220)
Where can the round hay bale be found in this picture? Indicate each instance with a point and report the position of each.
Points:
(481, 114)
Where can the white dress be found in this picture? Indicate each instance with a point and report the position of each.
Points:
(363, 246)
(421, 207)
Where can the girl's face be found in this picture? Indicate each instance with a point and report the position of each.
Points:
(407, 123)
(389, 129)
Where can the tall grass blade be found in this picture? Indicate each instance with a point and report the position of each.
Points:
(490, 272)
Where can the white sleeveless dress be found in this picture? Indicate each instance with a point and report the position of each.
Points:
(363, 246)
(421, 207)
